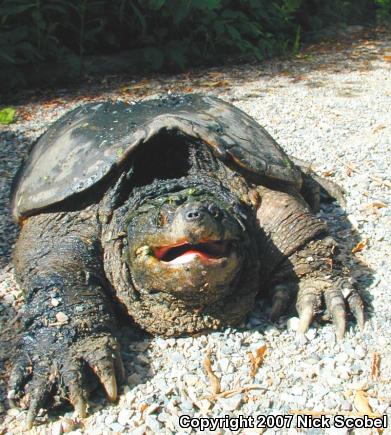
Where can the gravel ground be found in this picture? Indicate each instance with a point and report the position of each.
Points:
(330, 106)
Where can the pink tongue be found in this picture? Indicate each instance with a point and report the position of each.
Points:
(185, 258)
(189, 255)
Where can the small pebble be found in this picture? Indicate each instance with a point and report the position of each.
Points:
(57, 428)
(134, 379)
(232, 403)
(293, 323)
(55, 302)
(110, 419)
(116, 427)
(62, 317)
(124, 416)
(360, 352)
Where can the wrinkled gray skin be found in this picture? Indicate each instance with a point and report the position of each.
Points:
(120, 251)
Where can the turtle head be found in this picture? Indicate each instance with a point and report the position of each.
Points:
(188, 243)
(182, 251)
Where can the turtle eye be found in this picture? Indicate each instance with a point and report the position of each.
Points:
(176, 200)
(214, 211)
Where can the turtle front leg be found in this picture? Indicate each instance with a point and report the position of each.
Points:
(68, 319)
(304, 262)
(319, 278)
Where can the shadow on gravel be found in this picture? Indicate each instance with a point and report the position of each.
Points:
(9, 334)
(348, 238)
(13, 149)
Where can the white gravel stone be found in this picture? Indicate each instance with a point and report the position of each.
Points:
(152, 423)
(57, 428)
(293, 324)
(110, 419)
(232, 403)
(124, 416)
(360, 352)
(139, 430)
(116, 427)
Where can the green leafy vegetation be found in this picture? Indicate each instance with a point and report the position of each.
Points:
(383, 10)
(159, 34)
(7, 115)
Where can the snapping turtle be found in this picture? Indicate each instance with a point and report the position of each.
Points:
(177, 211)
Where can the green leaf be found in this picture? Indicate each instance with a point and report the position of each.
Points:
(219, 27)
(60, 8)
(177, 52)
(154, 57)
(207, 4)
(234, 15)
(72, 63)
(15, 9)
(7, 115)
(141, 18)
(6, 56)
(291, 6)
(233, 33)
(27, 51)
(179, 9)
(296, 43)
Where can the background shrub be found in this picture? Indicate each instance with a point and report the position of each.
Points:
(159, 33)
(383, 9)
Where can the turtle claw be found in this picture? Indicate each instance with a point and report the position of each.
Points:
(308, 304)
(305, 318)
(104, 358)
(282, 295)
(30, 418)
(106, 374)
(80, 406)
(110, 385)
(356, 306)
(39, 390)
(335, 303)
(339, 320)
(72, 378)
(18, 379)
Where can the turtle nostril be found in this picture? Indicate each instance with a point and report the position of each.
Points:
(193, 215)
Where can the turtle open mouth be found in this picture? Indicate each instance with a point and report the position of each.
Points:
(185, 252)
